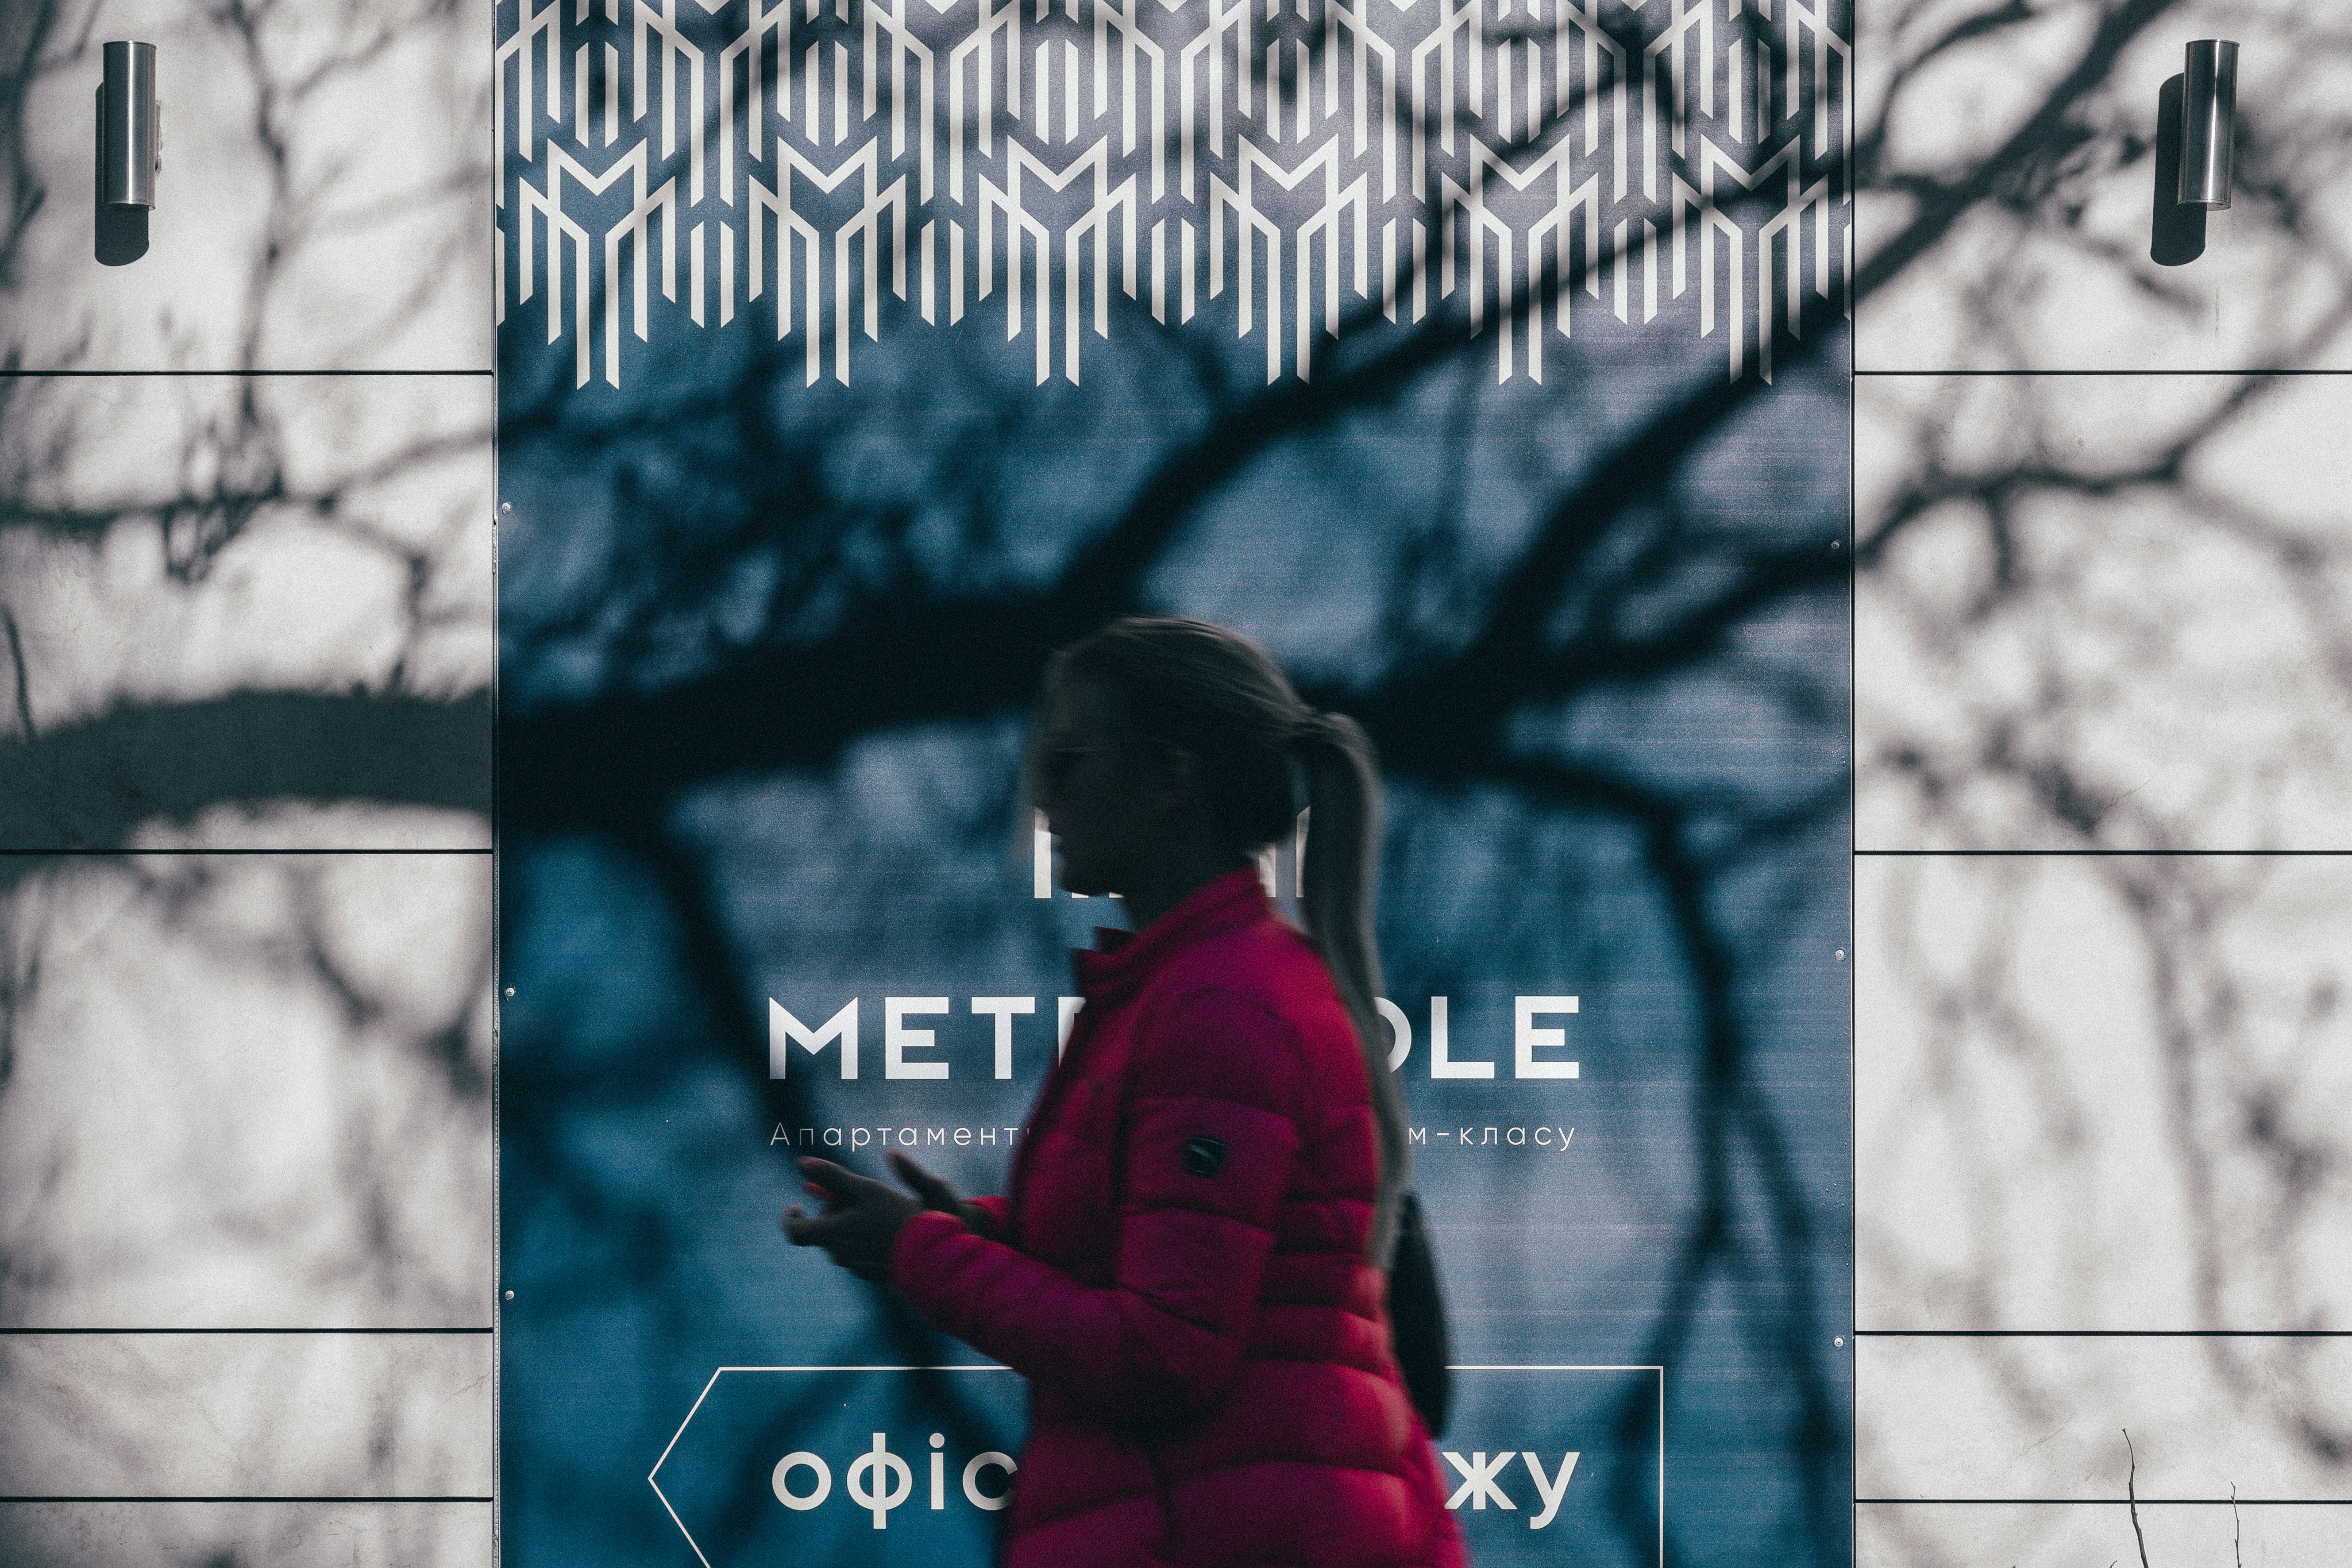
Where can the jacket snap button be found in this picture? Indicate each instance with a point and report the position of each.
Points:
(1206, 1156)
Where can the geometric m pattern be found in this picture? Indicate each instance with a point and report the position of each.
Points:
(1283, 170)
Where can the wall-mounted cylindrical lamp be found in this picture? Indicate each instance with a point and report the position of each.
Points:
(2208, 123)
(130, 127)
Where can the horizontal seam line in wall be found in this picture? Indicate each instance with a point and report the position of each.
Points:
(117, 853)
(2107, 1501)
(151, 1497)
(30, 1333)
(2104, 1334)
(1942, 374)
(39, 374)
(2136, 854)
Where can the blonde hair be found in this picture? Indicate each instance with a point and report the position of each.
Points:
(1214, 693)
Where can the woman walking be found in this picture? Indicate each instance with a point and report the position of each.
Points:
(1190, 1268)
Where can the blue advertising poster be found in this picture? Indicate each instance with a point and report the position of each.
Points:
(1488, 364)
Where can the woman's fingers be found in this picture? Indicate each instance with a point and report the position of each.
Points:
(860, 1218)
(935, 1193)
(838, 1178)
(838, 1186)
(838, 1242)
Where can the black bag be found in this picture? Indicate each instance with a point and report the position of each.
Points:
(1417, 1319)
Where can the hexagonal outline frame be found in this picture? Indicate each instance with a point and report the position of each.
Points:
(652, 1476)
(1648, 1366)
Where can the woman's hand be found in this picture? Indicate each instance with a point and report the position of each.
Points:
(858, 1224)
(937, 1194)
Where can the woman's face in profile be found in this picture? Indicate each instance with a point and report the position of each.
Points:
(1091, 787)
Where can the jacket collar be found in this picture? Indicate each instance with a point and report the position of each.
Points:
(1123, 960)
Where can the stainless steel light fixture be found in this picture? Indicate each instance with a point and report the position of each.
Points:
(129, 127)
(2208, 123)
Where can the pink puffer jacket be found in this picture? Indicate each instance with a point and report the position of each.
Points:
(1184, 1285)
